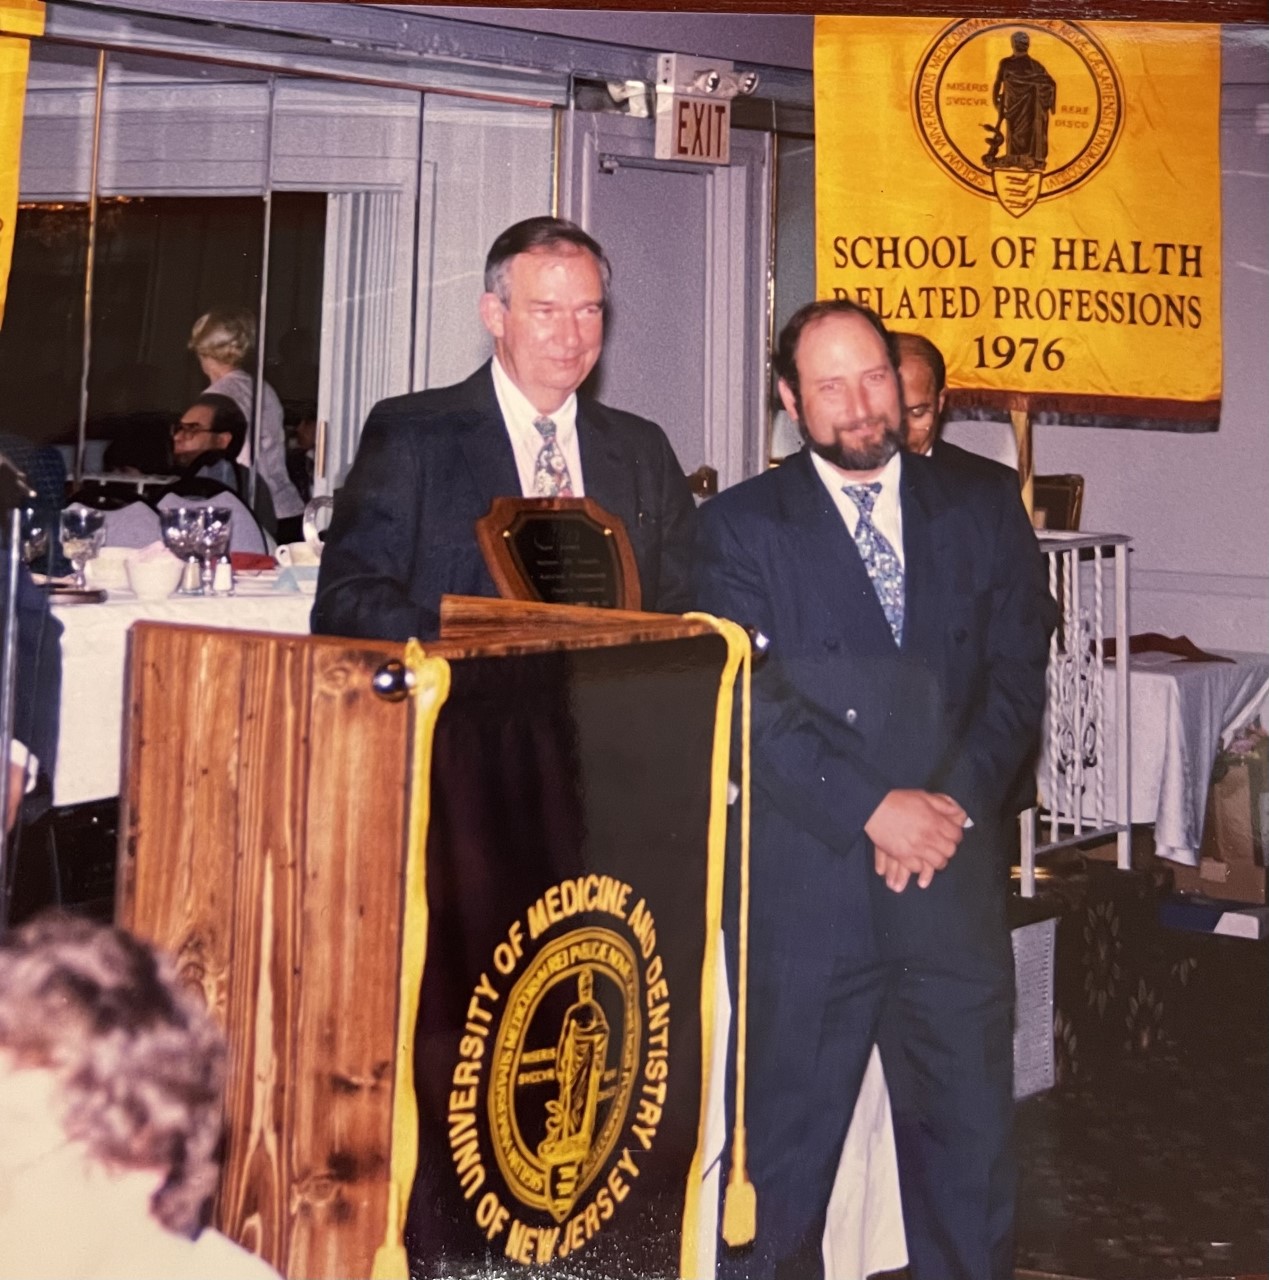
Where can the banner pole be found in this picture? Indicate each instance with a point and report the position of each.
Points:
(1021, 420)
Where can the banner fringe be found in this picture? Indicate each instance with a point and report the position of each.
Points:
(740, 1204)
(431, 688)
(739, 652)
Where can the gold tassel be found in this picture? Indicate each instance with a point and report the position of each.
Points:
(740, 1203)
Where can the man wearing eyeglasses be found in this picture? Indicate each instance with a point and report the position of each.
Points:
(211, 429)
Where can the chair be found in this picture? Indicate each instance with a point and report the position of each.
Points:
(136, 525)
(1057, 502)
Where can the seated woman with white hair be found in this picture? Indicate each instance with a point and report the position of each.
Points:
(111, 1076)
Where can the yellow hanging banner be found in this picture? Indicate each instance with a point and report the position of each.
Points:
(19, 20)
(1039, 198)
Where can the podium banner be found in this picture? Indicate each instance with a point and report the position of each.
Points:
(1039, 198)
(19, 19)
(570, 898)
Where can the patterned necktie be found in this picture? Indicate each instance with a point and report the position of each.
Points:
(550, 471)
(878, 556)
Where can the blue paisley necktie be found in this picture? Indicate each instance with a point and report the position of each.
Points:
(878, 556)
(550, 472)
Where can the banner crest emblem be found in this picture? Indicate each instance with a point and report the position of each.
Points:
(564, 1067)
(1020, 111)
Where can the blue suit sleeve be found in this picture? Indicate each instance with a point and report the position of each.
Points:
(999, 737)
(362, 587)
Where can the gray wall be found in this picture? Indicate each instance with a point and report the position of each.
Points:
(778, 40)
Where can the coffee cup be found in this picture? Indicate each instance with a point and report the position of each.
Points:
(297, 553)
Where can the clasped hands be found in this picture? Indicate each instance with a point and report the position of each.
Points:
(914, 833)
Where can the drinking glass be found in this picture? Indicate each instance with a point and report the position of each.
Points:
(213, 541)
(180, 527)
(35, 542)
(83, 532)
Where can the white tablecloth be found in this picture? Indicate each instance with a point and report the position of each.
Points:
(1178, 713)
(94, 647)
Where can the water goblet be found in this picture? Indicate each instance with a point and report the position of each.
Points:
(213, 541)
(83, 532)
(36, 553)
(180, 528)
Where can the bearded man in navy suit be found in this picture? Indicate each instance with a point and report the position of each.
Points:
(908, 622)
(429, 464)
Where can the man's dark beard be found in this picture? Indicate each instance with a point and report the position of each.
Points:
(893, 439)
(871, 458)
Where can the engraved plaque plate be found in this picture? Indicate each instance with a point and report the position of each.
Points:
(559, 551)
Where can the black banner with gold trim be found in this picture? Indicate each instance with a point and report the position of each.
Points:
(573, 891)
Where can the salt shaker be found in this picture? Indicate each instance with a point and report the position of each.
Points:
(223, 580)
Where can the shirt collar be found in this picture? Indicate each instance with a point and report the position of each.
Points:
(518, 410)
(834, 481)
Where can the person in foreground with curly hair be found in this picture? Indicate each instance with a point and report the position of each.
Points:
(110, 1112)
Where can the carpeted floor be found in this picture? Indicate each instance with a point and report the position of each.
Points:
(1156, 1165)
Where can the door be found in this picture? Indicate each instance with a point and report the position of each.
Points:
(687, 338)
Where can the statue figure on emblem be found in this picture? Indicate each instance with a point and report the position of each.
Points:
(1025, 95)
(581, 1058)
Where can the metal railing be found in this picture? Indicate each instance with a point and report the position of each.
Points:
(1081, 725)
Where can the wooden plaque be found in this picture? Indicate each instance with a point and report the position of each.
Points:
(559, 551)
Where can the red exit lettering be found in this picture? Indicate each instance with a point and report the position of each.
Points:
(701, 130)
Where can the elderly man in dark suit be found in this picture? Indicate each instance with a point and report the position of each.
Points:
(908, 623)
(429, 464)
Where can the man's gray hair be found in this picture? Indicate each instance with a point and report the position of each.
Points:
(539, 235)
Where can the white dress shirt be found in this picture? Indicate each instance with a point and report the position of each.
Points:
(22, 757)
(887, 514)
(526, 440)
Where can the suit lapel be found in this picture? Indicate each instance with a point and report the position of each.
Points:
(486, 447)
(609, 476)
(824, 546)
(922, 507)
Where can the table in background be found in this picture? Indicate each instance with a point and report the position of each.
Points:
(94, 653)
(1181, 712)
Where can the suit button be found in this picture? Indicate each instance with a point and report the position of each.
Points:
(851, 716)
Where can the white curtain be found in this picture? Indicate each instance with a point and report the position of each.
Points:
(367, 296)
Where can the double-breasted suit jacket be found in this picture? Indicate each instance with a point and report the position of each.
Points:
(842, 716)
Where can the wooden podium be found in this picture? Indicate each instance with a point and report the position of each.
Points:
(264, 824)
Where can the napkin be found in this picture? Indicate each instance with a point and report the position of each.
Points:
(251, 562)
(1181, 647)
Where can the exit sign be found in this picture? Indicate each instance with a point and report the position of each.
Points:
(694, 129)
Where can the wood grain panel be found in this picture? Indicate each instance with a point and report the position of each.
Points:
(262, 844)
(353, 866)
(272, 703)
(471, 624)
(182, 801)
